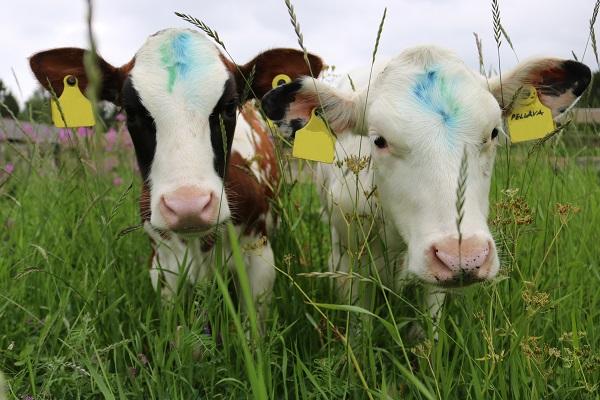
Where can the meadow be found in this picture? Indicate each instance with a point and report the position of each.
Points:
(80, 319)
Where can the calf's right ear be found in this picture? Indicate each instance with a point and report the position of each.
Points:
(290, 106)
(50, 68)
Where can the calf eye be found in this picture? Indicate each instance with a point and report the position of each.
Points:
(380, 142)
(494, 133)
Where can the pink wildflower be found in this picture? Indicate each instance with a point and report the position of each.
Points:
(84, 132)
(111, 138)
(64, 135)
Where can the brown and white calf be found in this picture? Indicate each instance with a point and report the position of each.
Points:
(181, 96)
(423, 109)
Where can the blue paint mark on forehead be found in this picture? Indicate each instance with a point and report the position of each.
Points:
(177, 58)
(195, 72)
(435, 93)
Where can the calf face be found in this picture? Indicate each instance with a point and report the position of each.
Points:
(423, 112)
(181, 96)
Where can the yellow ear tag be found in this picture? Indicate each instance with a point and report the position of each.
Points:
(314, 142)
(279, 80)
(76, 108)
(529, 118)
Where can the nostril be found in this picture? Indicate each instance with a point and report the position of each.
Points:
(206, 202)
(447, 259)
(166, 207)
(188, 208)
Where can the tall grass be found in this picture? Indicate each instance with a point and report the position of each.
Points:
(79, 318)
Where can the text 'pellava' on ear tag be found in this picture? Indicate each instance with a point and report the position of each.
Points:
(529, 118)
(76, 108)
(314, 142)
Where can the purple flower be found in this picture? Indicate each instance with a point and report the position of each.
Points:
(127, 139)
(27, 128)
(9, 168)
(117, 181)
(111, 138)
(120, 117)
(84, 132)
(64, 135)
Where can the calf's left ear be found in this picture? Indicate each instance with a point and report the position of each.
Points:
(558, 82)
(51, 66)
(270, 64)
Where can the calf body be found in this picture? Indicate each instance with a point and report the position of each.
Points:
(199, 169)
(402, 143)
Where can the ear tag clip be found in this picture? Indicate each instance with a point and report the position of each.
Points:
(529, 118)
(314, 142)
(76, 108)
(280, 79)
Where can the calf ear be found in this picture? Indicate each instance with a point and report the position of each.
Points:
(290, 106)
(558, 82)
(51, 66)
(269, 64)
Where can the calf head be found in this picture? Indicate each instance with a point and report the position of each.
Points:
(423, 112)
(181, 96)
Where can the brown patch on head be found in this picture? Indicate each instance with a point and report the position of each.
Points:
(267, 65)
(52, 66)
(271, 63)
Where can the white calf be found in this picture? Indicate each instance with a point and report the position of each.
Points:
(423, 110)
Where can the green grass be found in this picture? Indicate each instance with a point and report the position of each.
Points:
(79, 318)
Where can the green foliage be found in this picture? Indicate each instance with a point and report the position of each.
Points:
(8, 103)
(37, 108)
(79, 317)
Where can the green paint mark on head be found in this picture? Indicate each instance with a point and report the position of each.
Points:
(175, 56)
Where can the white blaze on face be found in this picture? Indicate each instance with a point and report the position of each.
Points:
(430, 108)
(180, 77)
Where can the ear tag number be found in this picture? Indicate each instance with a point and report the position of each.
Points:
(314, 142)
(76, 108)
(529, 118)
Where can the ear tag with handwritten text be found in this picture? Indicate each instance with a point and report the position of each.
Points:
(314, 142)
(76, 108)
(529, 118)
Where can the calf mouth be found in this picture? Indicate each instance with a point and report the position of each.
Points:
(463, 279)
(188, 232)
(194, 232)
